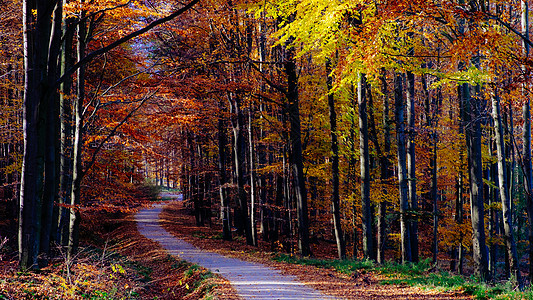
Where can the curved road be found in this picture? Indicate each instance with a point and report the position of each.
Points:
(251, 280)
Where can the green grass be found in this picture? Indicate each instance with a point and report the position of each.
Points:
(202, 235)
(343, 266)
(416, 274)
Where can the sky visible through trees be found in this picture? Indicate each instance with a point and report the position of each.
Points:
(396, 130)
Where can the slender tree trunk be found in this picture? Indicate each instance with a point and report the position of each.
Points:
(368, 245)
(432, 107)
(504, 192)
(459, 220)
(224, 201)
(252, 176)
(77, 172)
(335, 197)
(65, 106)
(239, 149)
(386, 172)
(352, 168)
(402, 169)
(411, 166)
(526, 142)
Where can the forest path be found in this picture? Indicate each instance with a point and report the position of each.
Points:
(251, 280)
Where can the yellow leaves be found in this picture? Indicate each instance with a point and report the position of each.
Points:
(117, 269)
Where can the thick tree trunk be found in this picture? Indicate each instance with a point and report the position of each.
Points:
(335, 197)
(472, 120)
(51, 186)
(296, 159)
(402, 169)
(368, 245)
(37, 30)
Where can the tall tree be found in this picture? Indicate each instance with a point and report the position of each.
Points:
(503, 191)
(296, 155)
(368, 243)
(472, 111)
(411, 165)
(402, 168)
(526, 136)
(335, 195)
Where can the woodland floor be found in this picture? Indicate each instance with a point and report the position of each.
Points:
(363, 285)
(114, 262)
(117, 262)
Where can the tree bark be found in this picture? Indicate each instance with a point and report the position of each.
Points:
(225, 208)
(66, 145)
(239, 153)
(386, 172)
(38, 42)
(77, 172)
(402, 169)
(335, 197)
(411, 166)
(368, 245)
(504, 192)
(472, 120)
(296, 159)
(526, 141)
(51, 188)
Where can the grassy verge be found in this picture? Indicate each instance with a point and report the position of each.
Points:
(420, 274)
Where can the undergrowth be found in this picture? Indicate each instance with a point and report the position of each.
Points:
(123, 267)
(420, 274)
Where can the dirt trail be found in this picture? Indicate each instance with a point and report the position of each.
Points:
(251, 280)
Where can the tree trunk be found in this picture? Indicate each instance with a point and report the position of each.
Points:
(386, 172)
(352, 176)
(411, 166)
(225, 208)
(296, 153)
(252, 176)
(65, 107)
(472, 120)
(335, 197)
(504, 192)
(239, 149)
(38, 42)
(368, 245)
(526, 141)
(77, 172)
(51, 188)
(402, 169)
(459, 219)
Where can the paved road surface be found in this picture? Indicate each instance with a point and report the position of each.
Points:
(251, 280)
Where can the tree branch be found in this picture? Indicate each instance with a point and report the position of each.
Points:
(89, 57)
(114, 130)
